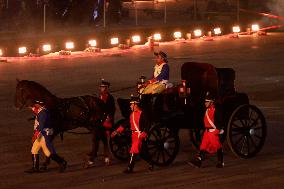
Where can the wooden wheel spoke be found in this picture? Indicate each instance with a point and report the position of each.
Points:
(254, 122)
(252, 142)
(243, 144)
(238, 126)
(239, 140)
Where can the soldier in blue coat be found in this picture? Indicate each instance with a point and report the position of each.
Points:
(42, 138)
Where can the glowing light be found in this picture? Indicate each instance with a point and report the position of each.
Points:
(255, 27)
(177, 35)
(46, 47)
(69, 45)
(114, 41)
(157, 37)
(92, 43)
(217, 31)
(136, 39)
(22, 50)
(236, 29)
(1, 52)
(197, 33)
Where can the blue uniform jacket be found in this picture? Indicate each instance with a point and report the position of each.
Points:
(165, 73)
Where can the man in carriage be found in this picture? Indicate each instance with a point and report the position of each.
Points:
(103, 131)
(42, 138)
(210, 141)
(139, 124)
(160, 77)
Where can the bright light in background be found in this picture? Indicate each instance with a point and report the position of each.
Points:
(46, 47)
(255, 27)
(217, 31)
(114, 41)
(197, 33)
(177, 35)
(1, 52)
(157, 37)
(92, 43)
(236, 29)
(69, 45)
(22, 50)
(136, 39)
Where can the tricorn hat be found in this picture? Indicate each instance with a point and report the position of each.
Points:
(162, 55)
(104, 83)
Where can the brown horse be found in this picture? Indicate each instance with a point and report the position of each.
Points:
(66, 113)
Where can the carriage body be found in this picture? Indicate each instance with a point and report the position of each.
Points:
(183, 108)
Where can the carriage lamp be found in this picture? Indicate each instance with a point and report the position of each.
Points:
(22, 50)
(114, 41)
(69, 45)
(197, 33)
(177, 35)
(92, 43)
(157, 37)
(136, 39)
(46, 48)
(255, 27)
(236, 29)
(217, 31)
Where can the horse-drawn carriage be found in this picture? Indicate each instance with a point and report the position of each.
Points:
(182, 107)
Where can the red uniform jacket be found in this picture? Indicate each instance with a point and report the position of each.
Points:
(139, 125)
(210, 141)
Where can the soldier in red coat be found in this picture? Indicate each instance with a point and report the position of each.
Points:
(102, 133)
(139, 125)
(210, 141)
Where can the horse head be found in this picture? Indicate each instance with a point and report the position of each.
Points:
(28, 91)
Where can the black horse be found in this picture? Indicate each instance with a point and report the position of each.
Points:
(66, 113)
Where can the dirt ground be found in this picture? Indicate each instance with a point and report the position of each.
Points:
(258, 61)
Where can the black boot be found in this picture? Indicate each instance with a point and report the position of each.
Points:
(61, 162)
(43, 167)
(131, 164)
(35, 166)
(220, 162)
(197, 161)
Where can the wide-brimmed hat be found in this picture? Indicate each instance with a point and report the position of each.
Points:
(162, 54)
(104, 83)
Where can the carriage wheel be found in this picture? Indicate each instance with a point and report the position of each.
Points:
(246, 131)
(162, 145)
(120, 144)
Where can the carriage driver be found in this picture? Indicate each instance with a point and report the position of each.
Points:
(210, 141)
(160, 77)
(103, 133)
(42, 138)
(138, 125)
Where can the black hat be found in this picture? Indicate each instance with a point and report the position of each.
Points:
(142, 80)
(134, 100)
(38, 102)
(104, 83)
(209, 97)
(162, 54)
